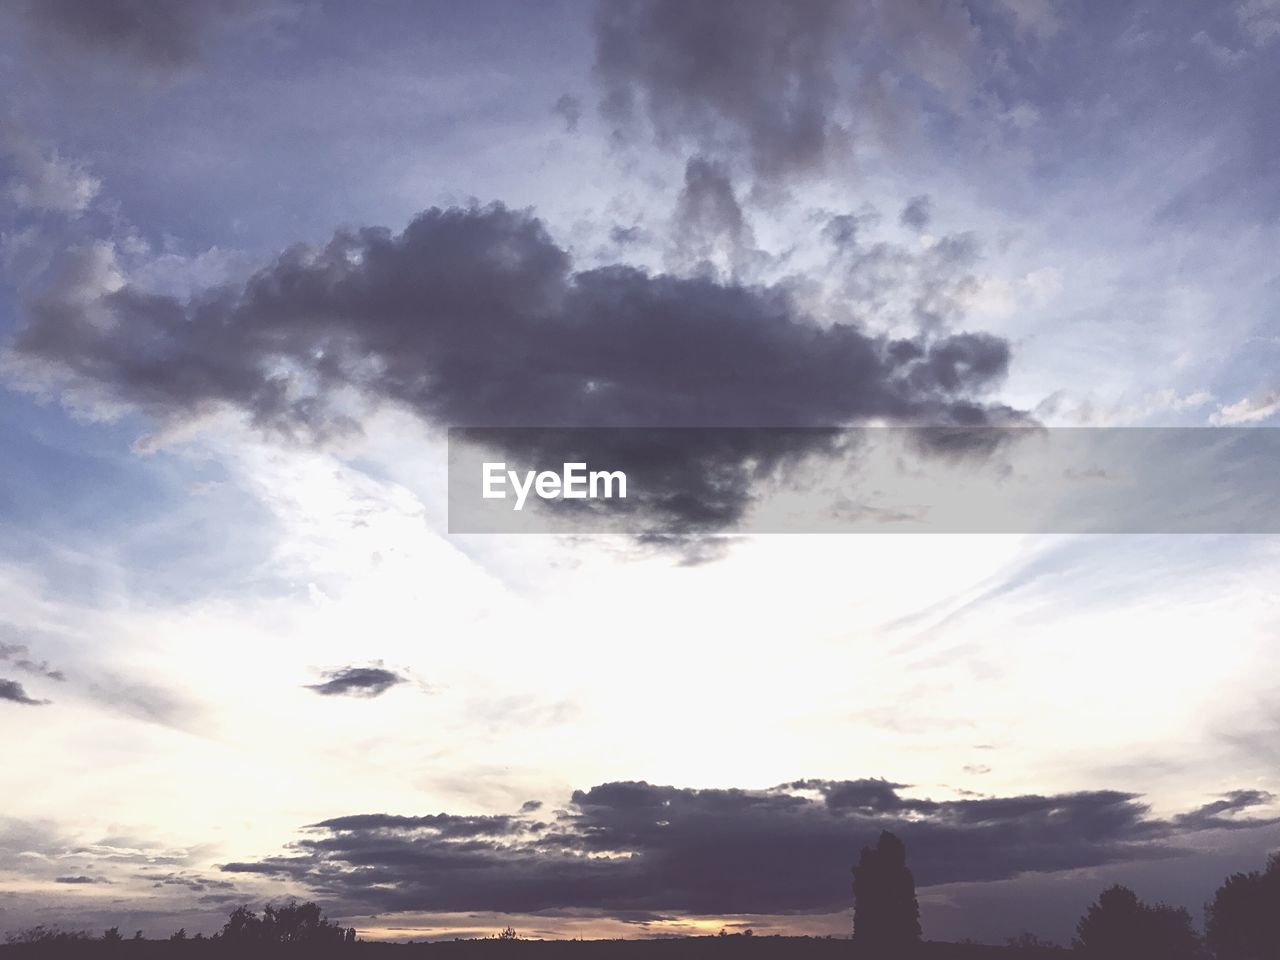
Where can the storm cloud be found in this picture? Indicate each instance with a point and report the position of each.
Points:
(634, 850)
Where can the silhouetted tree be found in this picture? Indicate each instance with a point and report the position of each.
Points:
(1173, 936)
(1113, 925)
(300, 923)
(46, 935)
(112, 935)
(886, 915)
(1121, 927)
(242, 926)
(1242, 922)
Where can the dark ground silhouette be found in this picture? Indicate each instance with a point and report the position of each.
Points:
(734, 946)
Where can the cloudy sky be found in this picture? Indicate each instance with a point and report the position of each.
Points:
(258, 256)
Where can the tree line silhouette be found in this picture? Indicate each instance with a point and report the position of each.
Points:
(301, 925)
(1242, 922)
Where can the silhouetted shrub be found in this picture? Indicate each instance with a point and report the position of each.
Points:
(1027, 941)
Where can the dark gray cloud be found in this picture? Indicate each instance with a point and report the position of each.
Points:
(357, 682)
(444, 825)
(1228, 813)
(161, 34)
(763, 69)
(843, 230)
(634, 850)
(474, 316)
(19, 656)
(190, 881)
(569, 109)
(13, 691)
(625, 236)
(709, 221)
(78, 879)
(916, 213)
(786, 86)
(693, 550)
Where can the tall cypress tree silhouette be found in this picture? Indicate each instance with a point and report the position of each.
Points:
(886, 915)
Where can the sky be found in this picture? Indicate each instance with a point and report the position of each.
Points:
(258, 257)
